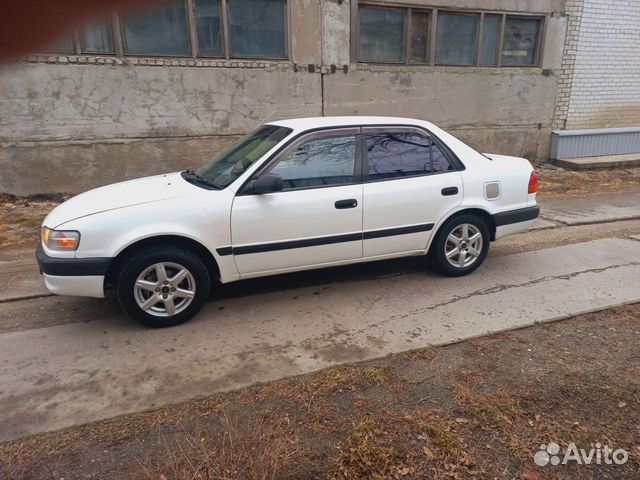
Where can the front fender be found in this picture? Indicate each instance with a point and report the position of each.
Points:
(107, 234)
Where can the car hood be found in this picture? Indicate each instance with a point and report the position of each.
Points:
(119, 195)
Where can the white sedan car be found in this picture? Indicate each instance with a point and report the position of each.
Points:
(293, 195)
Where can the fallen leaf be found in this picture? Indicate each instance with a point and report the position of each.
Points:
(429, 453)
(462, 420)
(622, 404)
(528, 474)
(404, 471)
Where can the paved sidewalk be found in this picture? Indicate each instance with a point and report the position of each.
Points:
(594, 208)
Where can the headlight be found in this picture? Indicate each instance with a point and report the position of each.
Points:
(65, 240)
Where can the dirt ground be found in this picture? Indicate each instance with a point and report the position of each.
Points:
(477, 409)
(21, 217)
(557, 181)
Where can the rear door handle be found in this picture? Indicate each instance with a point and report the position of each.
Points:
(448, 191)
(350, 203)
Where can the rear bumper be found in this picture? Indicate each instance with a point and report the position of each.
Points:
(516, 216)
(515, 221)
(82, 277)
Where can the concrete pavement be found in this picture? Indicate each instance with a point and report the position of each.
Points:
(73, 373)
(594, 208)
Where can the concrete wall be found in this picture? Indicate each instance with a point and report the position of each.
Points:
(495, 110)
(68, 123)
(72, 127)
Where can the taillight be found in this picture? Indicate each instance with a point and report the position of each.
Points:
(533, 182)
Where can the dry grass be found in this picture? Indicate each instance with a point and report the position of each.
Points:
(20, 219)
(556, 181)
(413, 444)
(306, 390)
(264, 448)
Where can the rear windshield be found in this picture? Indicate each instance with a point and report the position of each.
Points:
(233, 161)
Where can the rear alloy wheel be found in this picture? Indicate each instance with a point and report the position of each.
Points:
(163, 286)
(461, 246)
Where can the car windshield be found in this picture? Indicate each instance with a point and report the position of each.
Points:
(233, 161)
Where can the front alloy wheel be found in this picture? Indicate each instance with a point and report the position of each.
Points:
(165, 289)
(163, 285)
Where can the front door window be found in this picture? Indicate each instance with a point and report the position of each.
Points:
(318, 162)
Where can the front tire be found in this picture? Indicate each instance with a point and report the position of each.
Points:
(163, 286)
(461, 245)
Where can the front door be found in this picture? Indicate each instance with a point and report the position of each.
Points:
(316, 219)
(409, 185)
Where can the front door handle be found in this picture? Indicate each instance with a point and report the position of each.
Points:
(350, 203)
(448, 191)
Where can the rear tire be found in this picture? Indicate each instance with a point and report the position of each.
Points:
(460, 246)
(163, 286)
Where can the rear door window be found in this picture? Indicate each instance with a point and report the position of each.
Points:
(401, 154)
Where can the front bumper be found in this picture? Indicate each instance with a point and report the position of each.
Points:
(85, 286)
(73, 276)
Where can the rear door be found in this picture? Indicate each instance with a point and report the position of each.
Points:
(410, 183)
(316, 219)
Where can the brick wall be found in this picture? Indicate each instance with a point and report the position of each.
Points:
(600, 78)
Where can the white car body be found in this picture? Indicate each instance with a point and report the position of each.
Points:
(249, 235)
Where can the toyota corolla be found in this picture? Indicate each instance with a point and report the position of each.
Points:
(292, 195)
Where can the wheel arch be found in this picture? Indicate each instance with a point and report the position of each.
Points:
(486, 217)
(174, 240)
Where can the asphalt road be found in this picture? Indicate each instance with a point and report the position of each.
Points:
(65, 361)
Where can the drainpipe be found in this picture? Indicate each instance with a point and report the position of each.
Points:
(321, 57)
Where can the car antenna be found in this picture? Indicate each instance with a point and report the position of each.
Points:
(267, 117)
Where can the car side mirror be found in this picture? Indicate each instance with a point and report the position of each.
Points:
(267, 183)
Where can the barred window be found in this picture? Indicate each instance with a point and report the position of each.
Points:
(188, 28)
(520, 40)
(490, 42)
(456, 42)
(257, 28)
(393, 35)
(97, 38)
(209, 26)
(161, 31)
(433, 36)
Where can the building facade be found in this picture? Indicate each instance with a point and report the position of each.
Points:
(600, 77)
(167, 89)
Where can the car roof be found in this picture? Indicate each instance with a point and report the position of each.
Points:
(302, 124)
